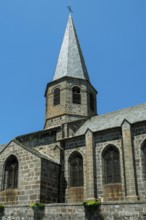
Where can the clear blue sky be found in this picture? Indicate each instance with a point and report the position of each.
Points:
(112, 35)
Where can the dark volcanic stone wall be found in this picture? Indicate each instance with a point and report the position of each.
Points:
(28, 190)
(50, 182)
(111, 211)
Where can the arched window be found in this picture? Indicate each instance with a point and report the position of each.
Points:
(76, 169)
(143, 158)
(11, 173)
(57, 96)
(91, 102)
(111, 165)
(76, 95)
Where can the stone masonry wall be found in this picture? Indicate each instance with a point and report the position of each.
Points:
(114, 137)
(108, 211)
(124, 211)
(50, 182)
(101, 141)
(76, 193)
(38, 139)
(53, 151)
(56, 115)
(115, 191)
(28, 178)
(51, 212)
(62, 119)
(139, 136)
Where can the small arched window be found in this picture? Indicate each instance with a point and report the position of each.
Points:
(76, 95)
(143, 158)
(11, 173)
(91, 102)
(111, 165)
(76, 169)
(57, 96)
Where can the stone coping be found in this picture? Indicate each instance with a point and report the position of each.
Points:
(79, 204)
(124, 202)
(46, 205)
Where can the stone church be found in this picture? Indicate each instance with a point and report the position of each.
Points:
(79, 155)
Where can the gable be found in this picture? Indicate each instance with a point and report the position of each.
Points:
(2, 146)
(13, 148)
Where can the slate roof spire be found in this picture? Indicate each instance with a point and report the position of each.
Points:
(71, 62)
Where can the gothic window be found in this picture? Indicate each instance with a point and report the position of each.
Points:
(144, 159)
(57, 96)
(76, 95)
(11, 173)
(76, 170)
(111, 165)
(91, 102)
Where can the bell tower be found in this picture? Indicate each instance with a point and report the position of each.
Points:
(70, 96)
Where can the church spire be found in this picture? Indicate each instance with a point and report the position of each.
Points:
(71, 62)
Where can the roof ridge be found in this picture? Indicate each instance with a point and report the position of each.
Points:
(68, 47)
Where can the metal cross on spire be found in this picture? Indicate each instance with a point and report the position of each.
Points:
(70, 9)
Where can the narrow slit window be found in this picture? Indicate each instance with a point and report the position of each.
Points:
(57, 96)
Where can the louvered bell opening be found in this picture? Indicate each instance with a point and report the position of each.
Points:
(91, 102)
(76, 95)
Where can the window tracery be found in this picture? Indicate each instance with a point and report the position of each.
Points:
(111, 165)
(76, 169)
(11, 173)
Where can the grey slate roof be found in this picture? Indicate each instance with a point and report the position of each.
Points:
(71, 62)
(114, 119)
